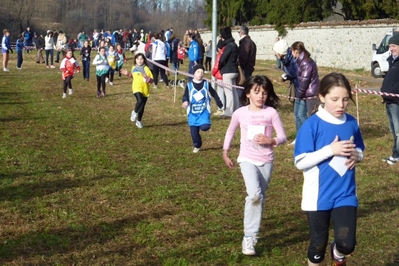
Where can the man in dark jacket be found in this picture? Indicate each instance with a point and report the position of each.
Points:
(39, 42)
(391, 85)
(246, 52)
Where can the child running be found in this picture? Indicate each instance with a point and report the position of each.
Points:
(197, 101)
(122, 59)
(68, 67)
(142, 77)
(101, 63)
(112, 58)
(327, 148)
(257, 118)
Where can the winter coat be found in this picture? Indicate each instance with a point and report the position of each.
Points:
(247, 54)
(391, 81)
(308, 77)
(228, 60)
(290, 68)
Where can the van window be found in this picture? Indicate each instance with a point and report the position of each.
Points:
(384, 47)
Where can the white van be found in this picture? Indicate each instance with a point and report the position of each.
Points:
(379, 63)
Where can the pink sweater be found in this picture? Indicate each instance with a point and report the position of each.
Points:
(251, 123)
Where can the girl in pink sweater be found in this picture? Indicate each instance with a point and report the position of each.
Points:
(257, 118)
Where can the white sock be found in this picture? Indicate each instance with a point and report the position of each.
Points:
(337, 254)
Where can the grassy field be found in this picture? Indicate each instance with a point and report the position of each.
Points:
(81, 185)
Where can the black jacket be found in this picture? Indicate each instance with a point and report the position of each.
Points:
(247, 54)
(228, 60)
(391, 81)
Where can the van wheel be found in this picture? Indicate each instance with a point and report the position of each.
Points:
(376, 71)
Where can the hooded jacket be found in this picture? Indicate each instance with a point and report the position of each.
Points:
(228, 60)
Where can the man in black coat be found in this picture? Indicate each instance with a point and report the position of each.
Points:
(391, 85)
(246, 52)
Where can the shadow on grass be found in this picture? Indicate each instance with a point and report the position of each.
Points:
(50, 242)
(38, 189)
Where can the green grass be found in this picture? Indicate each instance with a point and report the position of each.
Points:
(81, 185)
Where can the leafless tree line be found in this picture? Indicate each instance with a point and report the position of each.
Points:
(73, 16)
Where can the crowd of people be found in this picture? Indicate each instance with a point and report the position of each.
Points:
(328, 142)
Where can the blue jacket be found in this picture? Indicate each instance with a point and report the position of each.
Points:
(290, 68)
(19, 46)
(193, 51)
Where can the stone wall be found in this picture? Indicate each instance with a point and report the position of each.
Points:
(344, 44)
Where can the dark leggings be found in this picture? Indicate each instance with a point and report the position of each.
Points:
(140, 105)
(67, 83)
(344, 220)
(111, 74)
(208, 61)
(101, 82)
(157, 70)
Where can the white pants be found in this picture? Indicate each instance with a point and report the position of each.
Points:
(231, 93)
(257, 179)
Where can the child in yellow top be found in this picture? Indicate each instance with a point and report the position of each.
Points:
(142, 78)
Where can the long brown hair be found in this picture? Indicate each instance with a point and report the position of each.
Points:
(300, 46)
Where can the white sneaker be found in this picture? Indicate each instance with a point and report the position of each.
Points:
(248, 245)
(219, 112)
(70, 91)
(111, 83)
(391, 160)
(64, 95)
(6, 69)
(155, 87)
(196, 150)
(139, 124)
(292, 143)
(133, 116)
(19, 68)
(106, 80)
(182, 84)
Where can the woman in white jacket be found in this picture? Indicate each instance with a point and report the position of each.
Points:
(49, 48)
(159, 52)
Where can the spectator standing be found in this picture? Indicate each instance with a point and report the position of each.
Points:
(186, 39)
(290, 68)
(208, 57)
(174, 48)
(216, 73)
(39, 47)
(28, 37)
(19, 47)
(60, 45)
(246, 52)
(82, 38)
(49, 48)
(85, 53)
(193, 54)
(391, 85)
(308, 79)
(159, 52)
(229, 70)
(6, 49)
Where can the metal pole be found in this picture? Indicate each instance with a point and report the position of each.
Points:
(214, 35)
